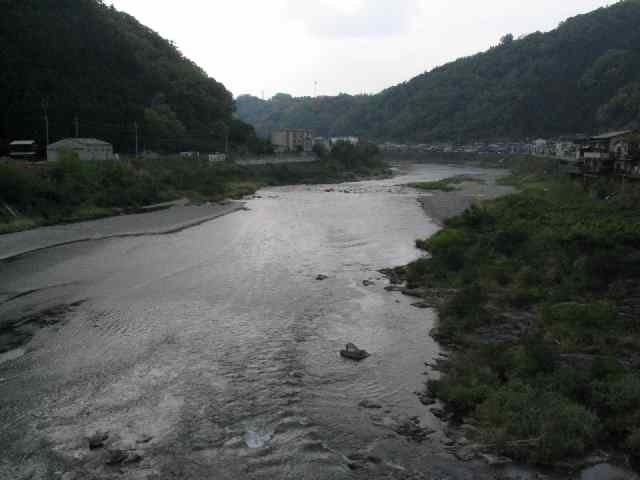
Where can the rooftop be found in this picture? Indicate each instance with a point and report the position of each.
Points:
(610, 135)
(80, 142)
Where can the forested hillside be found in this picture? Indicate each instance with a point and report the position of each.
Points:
(82, 58)
(581, 77)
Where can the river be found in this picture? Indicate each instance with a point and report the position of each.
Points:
(213, 352)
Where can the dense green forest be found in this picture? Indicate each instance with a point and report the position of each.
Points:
(581, 77)
(81, 58)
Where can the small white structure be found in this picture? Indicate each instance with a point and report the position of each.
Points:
(23, 149)
(85, 148)
(351, 140)
(217, 157)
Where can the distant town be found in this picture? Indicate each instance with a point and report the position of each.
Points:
(612, 152)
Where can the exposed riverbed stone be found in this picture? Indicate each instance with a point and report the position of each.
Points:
(393, 288)
(411, 429)
(144, 439)
(426, 398)
(97, 440)
(413, 292)
(422, 305)
(123, 457)
(369, 405)
(465, 454)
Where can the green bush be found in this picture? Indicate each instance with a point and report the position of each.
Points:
(536, 425)
(577, 325)
(551, 380)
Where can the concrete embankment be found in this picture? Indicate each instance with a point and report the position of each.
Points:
(154, 223)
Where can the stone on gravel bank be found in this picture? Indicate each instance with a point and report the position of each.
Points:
(368, 404)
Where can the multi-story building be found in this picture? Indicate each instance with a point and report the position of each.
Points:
(614, 151)
(292, 140)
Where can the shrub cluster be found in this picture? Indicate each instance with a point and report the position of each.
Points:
(544, 279)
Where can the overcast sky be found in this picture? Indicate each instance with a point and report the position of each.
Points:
(350, 46)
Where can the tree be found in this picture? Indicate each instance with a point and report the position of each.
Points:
(543, 84)
(507, 39)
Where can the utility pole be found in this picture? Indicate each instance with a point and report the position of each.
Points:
(76, 123)
(226, 140)
(135, 126)
(45, 107)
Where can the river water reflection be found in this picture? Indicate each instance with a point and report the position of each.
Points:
(213, 352)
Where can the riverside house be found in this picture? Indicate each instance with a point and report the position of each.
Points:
(86, 148)
(613, 152)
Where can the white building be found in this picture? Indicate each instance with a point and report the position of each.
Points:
(217, 157)
(85, 148)
(539, 147)
(351, 140)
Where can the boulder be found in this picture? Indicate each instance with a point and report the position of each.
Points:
(123, 457)
(393, 288)
(97, 440)
(369, 405)
(413, 292)
(422, 305)
(354, 353)
(465, 454)
(144, 439)
(439, 413)
(426, 398)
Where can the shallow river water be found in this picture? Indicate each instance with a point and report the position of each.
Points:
(212, 353)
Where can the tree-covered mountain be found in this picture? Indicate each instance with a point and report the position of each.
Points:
(83, 59)
(581, 77)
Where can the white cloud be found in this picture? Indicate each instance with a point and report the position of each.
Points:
(355, 19)
(351, 46)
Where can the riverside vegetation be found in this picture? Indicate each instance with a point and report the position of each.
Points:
(71, 190)
(445, 185)
(543, 326)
